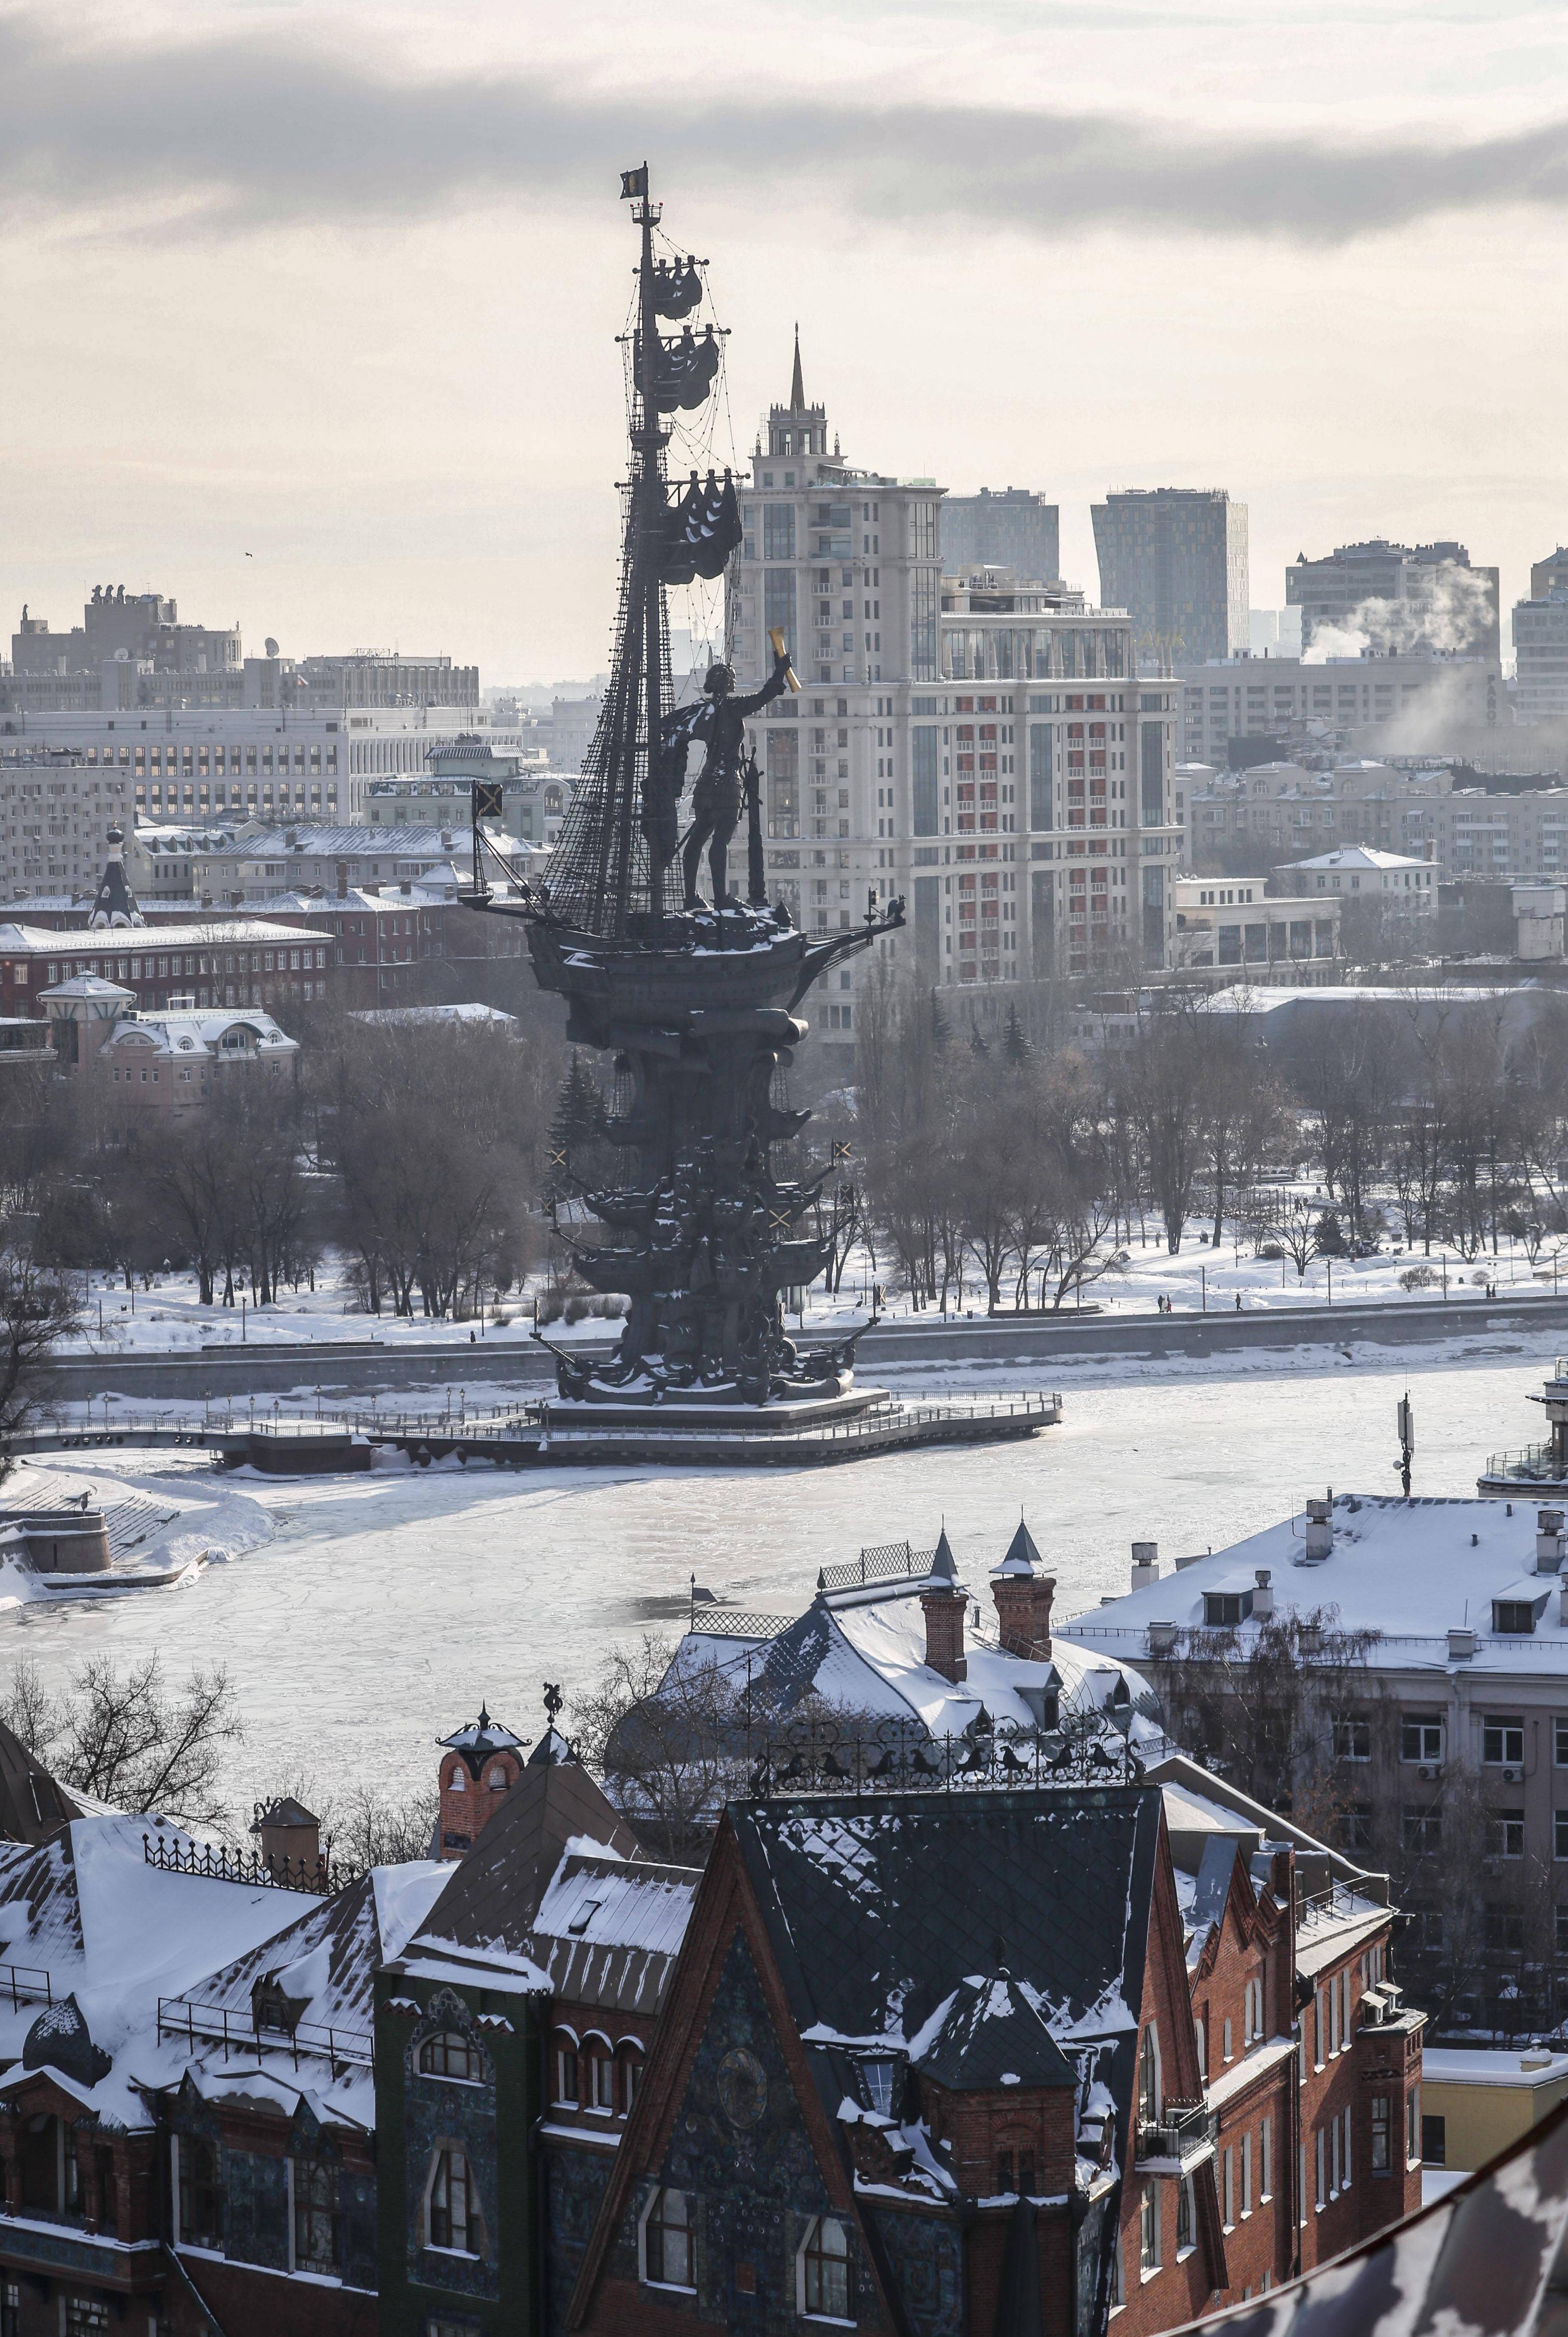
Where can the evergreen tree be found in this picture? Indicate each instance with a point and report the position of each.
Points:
(1016, 1045)
(940, 1033)
(577, 1126)
(978, 1046)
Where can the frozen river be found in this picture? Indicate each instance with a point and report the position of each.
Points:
(388, 1606)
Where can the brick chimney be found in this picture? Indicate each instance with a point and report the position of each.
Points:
(944, 1602)
(1023, 1595)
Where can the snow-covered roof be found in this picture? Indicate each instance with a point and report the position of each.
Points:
(1360, 856)
(213, 932)
(466, 1010)
(117, 1934)
(1466, 2065)
(1411, 1572)
(197, 1031)
(608, 1929)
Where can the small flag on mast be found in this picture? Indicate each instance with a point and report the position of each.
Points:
(634, 184)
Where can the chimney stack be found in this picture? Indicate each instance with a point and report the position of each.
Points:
(944, 1603)
(1146, 1564)
(1549, 1542)
(290, 1839)
(1263, 1596)
(1320, 1529)
(1023, 1594)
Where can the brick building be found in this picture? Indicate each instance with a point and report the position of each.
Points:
(215, 962)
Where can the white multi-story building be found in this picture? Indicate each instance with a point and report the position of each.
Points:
(1541, 657)
(1358, 871)
(987, 751)
(227, 764)
(1275, 696)
(55, 814)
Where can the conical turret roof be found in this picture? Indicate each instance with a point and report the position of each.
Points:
(1022, 1557)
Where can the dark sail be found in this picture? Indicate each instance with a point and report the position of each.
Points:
(704, 528)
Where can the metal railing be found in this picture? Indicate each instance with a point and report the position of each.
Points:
(317, 1878)
(196, 2022)
(900, 1756)
(1180, 2130)
(25, 1984)
(1532, 1464)
(732, 1623)
(880, 1563)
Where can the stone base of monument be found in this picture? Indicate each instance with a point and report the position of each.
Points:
(690, 1408)
(852, 1427)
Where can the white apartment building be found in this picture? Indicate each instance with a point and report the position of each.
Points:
(1541, 657)
(1268, 697)
(226, 764)
(1235, 922)
(1359, 872)
(55, 815)
(986, 750)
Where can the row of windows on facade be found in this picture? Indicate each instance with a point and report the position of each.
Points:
(1331, 2169)
(1424, 1738)
(162, 968)
(203, 761)
(823, 2280)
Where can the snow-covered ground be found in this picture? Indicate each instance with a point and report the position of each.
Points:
(384, 1608)
(169, 1316)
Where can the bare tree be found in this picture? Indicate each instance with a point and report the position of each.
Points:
(36, 1312)
(666, 1732)
(126, 1738)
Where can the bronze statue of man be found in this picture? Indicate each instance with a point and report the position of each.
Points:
(720, 723)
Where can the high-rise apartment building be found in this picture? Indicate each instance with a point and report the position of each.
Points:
(989, 754)
(1009, 527)
(1175, 559)
(1398, 596)
(1290, 699)
(1541, 645)
(55, 814)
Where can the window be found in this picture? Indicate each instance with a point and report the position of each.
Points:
(200, 2191)
(1225, 2035)
(825, 2270)
(1320, 2167)
(1246, 2175)
(1421, 1737)
(1380, 2134)
(1254, 2011)
(1421, 1830)
(1228, 2187)
(10, 2309)
(1344, 2150)
(1503, 1741)
(1185, 2219)
(86, 2317)
(1149, 2229)
(1352, 1737)
(1199, 2031)
(600, 2076)
(1266, 2159)
(1356, 1826)
(449, 2056)
(667, 2241)
(317, 2226)
(1505, 1833)
(1149, 2078)
(568, 2082)
(1560, 1743)
(1414, 2125)
(452, 2222)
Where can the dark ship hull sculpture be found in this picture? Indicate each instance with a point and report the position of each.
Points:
(695, 1000)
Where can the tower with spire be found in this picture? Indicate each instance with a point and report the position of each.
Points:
(114, 904)
(797, 428)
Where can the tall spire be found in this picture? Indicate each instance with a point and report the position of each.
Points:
(797, 386)
(114, 904)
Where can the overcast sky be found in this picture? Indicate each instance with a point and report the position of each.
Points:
(336, 286)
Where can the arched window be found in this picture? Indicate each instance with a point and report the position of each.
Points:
(452, 2211)
(667, 2240)
(450, 2055)
(628, 2055)
(1149, 2076)
(496, 1780)
(568, 2080)
(458, 1781)
(1201, 2034)
(824, 2263)
(599, 2076)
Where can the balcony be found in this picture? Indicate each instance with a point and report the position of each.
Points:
(1182, 2135)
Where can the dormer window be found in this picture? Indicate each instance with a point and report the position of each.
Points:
(1223, 1611)
(451, 2055)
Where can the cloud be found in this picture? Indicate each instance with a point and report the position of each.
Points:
(222, 135)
